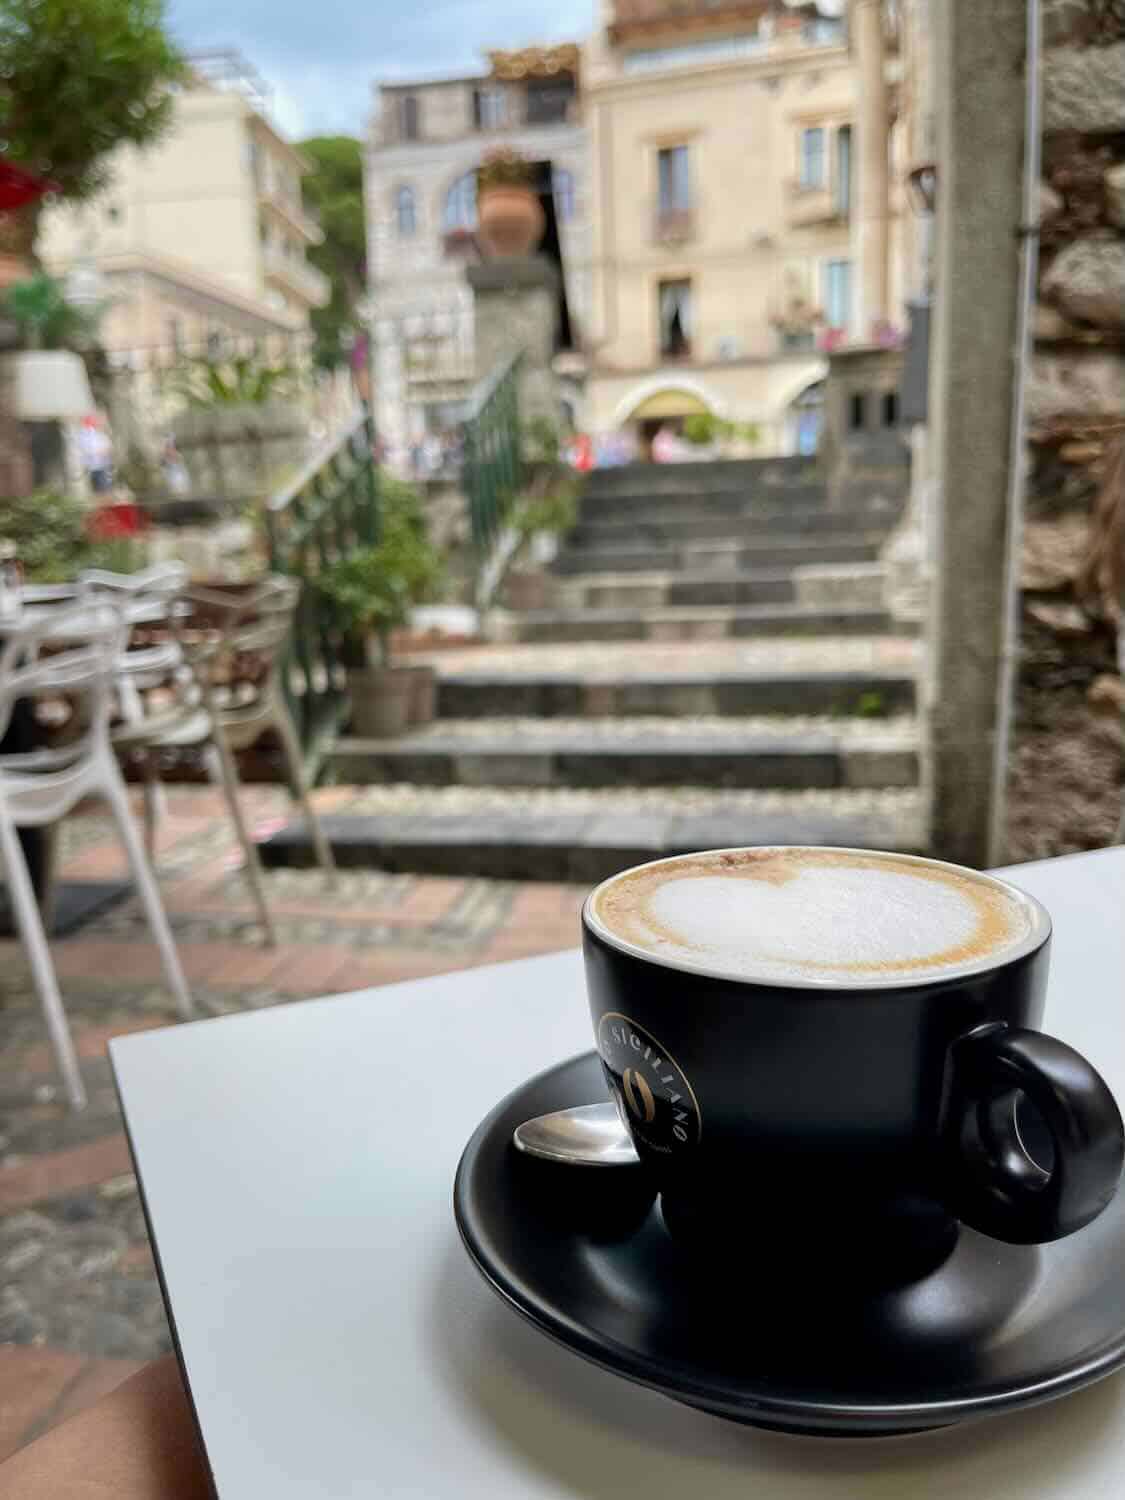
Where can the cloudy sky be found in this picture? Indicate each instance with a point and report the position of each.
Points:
(322, 55)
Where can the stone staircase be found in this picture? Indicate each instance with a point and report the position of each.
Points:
(717, 670)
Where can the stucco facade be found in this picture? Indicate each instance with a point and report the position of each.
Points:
(202, 233)
(730, 192)
(426, 142)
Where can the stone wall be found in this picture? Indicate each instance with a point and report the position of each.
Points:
(1069, 745)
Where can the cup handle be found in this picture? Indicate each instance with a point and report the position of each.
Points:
(995, 1185)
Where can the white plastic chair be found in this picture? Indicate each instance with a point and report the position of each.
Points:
(232, 644)
(84, 643)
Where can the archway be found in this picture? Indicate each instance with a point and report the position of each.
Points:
(663, 402)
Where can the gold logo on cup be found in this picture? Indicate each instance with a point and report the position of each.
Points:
(656, 1101)
(638, 1096)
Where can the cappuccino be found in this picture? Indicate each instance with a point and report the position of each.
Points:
(814, 916)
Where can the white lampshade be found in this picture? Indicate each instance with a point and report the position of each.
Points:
(47, 385)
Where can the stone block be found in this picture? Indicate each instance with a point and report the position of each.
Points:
(1053, 552)
(1084, 89)
(850, 585)
(682, 699)
(1049, 326)
(872, 769)
(1115, 194)
(1087, 280)
(1050, 203)
(1067, 21)
(520, 768)
(1075, 384)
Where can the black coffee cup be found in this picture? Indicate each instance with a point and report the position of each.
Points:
(855, 1123)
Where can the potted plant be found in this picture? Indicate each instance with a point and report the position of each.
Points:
(508, 208)
(372, 592)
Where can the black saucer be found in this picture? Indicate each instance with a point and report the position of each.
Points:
(995, 1328)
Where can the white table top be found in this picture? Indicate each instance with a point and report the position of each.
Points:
(298, 1168)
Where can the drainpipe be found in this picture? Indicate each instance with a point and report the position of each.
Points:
(1017, 460)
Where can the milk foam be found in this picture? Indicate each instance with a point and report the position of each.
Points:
(813, 915)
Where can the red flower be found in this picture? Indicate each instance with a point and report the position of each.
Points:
(121, 519)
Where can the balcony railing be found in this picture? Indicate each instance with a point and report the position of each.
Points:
(328, 510)
(814, 205)
(673, 226)
(292, 213)
(311, 285)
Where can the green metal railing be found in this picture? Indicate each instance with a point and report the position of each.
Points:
(492, 464)
(329, 509)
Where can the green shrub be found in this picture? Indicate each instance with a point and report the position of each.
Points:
(372, 591)
(701, 429)
(50, 531)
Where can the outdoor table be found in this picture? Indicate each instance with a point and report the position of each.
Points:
(297, 1166)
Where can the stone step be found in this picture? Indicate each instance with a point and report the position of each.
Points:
(728, 555)
(676, 529)
(704, 477)
(698, 624)
(661, 590)
(587, 836)
(481, 696)
(758, 753)
(671, 505)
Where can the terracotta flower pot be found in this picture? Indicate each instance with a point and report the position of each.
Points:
(381, 699)
(511, 220)
(423, 694)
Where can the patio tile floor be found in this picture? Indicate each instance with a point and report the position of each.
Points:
(80, 1308)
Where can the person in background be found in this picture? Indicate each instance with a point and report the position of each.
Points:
(96, 450)
(665, 447)
(177, 480)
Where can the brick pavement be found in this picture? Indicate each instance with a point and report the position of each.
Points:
(80, 1307)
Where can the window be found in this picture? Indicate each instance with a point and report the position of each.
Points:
(490, 108)
(674, 307)
(857, 411)
(549, 100)
(408, 117)
(673, 182)
(405, 213)
(890, 409)
(842, 184)
(562, 183)
(838, 293)
(460, 210)
(812, 158)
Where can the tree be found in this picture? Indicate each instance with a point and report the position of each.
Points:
(334, 191)
(77, 79)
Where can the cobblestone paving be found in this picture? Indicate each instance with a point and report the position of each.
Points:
(79, 1302)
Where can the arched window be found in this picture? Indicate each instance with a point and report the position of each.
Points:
(562, 183)
(460, 210)
(406, 220)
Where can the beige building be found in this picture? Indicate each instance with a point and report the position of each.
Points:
(203, 234)
(743, 215)
(427, 140)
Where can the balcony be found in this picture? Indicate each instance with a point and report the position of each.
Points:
(294, 274)
(290, 214)
(809, 206)
(638, 18)
(673, 226)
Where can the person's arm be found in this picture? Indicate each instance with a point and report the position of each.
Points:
(137, 1443)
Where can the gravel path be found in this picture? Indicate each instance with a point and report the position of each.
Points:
(453, 801)
(899, 732)
(694, 660)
